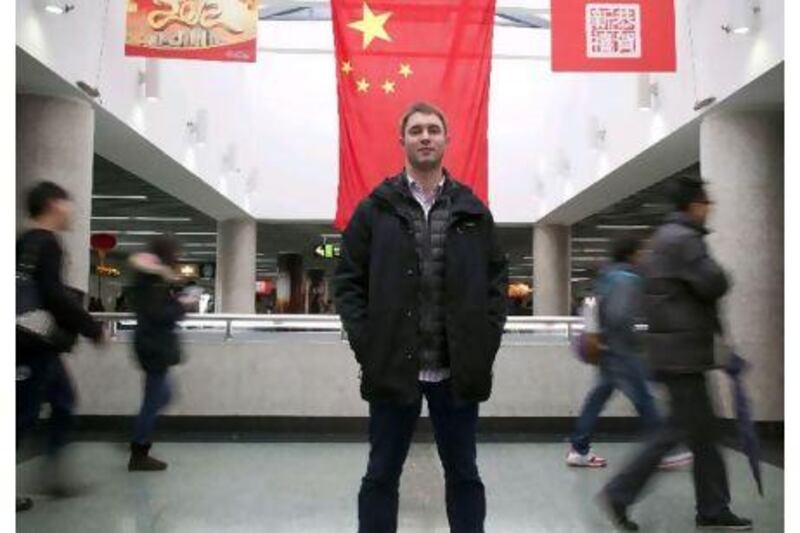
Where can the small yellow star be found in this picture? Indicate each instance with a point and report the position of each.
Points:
(388, 86)
(347, 68)
(133, 7)
(405, 70)
(363, 85)
(371, 25)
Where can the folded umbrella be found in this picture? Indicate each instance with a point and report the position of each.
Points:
(748, 438)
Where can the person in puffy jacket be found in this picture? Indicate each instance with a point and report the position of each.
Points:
(683, 287)
(158, 307)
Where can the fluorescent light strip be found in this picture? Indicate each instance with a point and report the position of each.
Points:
(201, 253)
(591, 258)
(591, 239)
(118, 197)
(124, 243)
(615, 227)
(145, 219)
(200, 245)
(196, 233)
(164, 219)
(594, 250)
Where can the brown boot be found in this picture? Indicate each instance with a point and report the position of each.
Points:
(140, 460)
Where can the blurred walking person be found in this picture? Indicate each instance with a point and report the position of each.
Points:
(620, 290)
(684, 285)
(43, 298)
(156, 300)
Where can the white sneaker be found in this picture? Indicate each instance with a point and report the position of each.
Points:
(589, 460)
(676, 460)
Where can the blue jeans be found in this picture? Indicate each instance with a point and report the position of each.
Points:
(157, 395)
(45, 379)
(616, 371)
(390, 429)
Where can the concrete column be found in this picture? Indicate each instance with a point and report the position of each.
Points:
(741, 155)
(236, 266)
(551, 264)
(55, 142)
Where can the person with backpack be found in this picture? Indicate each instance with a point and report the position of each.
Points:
(619, 290)
(43, 297)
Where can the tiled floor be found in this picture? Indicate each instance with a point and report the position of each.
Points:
(312, 487)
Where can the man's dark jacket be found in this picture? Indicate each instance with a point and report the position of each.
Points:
(377, 293)
(683, 287)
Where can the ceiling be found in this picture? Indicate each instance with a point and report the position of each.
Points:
(163, 213)
(285, 10)
(675, 152)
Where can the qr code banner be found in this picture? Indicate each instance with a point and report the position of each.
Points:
(613, 31)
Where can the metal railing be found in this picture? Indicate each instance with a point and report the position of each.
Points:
(517, 328)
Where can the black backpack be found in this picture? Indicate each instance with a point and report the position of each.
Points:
(37, 328)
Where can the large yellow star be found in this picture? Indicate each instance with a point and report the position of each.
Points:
(388, 86)
(405, 70)
(371, 25)
(347, 68)
(363, 85)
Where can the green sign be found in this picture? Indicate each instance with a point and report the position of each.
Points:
(327, 251)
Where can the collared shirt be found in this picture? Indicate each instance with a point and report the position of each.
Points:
(426, 201)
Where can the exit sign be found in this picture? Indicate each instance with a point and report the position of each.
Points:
(327, 251)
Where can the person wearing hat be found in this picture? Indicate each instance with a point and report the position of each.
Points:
(683, 286)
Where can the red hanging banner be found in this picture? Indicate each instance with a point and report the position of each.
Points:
(216, 30)
(392, 53)
(613, 36)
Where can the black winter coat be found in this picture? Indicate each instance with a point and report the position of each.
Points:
(39, 252)
(157, 311)
(377, 287)
(683, 287)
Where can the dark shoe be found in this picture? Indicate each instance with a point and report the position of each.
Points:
(64, 490)
(616, 513)
(726, 520)
(24, 504)
(58, 479)
(141, 461)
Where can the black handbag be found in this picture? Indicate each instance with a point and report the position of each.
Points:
(37, 328)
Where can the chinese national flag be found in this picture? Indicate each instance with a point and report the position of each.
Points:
(392, 53)
(613, 35)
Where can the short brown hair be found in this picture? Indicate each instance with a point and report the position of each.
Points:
(426, 109)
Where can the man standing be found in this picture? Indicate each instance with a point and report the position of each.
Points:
(421, 291)
(683, 288)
